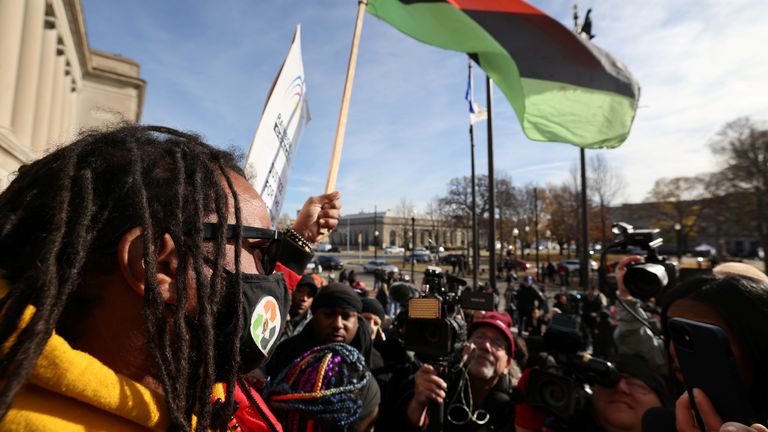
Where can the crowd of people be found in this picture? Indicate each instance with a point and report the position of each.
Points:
(143, 287)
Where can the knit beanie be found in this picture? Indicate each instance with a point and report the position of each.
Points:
(337, 296)
(326, 389)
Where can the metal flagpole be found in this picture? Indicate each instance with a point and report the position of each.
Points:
(475, 244)
(585, 261)
(584, 265)
(536, 231)
(491, 188)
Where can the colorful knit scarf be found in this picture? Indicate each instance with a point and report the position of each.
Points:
(318, 392)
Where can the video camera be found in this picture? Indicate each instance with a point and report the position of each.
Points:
(646, 279)
(562, 386)
(435, 329)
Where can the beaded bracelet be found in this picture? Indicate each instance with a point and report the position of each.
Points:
(293, 236)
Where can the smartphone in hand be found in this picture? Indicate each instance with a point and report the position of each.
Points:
(708, 363)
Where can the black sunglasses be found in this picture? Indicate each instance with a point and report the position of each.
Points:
(268, 251)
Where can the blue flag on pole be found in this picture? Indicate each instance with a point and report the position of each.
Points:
(476, 112)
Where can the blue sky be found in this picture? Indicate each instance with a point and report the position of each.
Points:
(209, 65)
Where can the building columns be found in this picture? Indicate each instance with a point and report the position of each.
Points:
(57, 93)
(44, 88)
(11, 23)
(29, 72)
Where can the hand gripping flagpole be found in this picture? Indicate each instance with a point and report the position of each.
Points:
(338, 143)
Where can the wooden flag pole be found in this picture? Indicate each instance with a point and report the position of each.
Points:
(338, 143)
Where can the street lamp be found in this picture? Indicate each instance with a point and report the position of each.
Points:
(678, 232)
(375, 234)
(413, 245)
(527, 230)
(549, 243)
(515, 233)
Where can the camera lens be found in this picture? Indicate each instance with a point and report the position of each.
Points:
(554, 394)
(645, 280)
(434, 334)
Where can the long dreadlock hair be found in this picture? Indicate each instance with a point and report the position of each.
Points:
(63, 216)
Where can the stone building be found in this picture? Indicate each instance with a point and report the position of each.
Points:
(359, 230)
(727, 223)
(52, 84)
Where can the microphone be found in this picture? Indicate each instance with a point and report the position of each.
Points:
(659, 419)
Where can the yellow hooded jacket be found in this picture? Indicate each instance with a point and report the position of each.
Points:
(69, 390)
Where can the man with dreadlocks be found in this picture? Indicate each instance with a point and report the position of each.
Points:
(139, 278)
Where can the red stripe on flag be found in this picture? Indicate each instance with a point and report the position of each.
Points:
(510, 6)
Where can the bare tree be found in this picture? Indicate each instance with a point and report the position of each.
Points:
(605, 186)
(457, 203)
(507, 202)
(404, 210)
(742, 149)
(563, 211)
(678, 200)
(435, 213)
(405, 207)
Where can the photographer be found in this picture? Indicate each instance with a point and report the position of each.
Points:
(483, 401)
(631, 335)
(616, 408)
(737, 305)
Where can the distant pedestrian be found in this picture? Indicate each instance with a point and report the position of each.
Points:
(351, 278)
(377, 278)
(528, 297)
(565, 274)
(550, 272)
(343, 276)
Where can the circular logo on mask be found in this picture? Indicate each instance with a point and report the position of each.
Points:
(266, 323)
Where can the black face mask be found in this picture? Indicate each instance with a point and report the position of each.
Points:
(265, 308)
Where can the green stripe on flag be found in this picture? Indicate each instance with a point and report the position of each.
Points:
(547, 110)
(572, 114)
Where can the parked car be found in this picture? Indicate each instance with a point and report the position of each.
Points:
(573, 265)
(372, 265)
(520, 265)
(450, 259)
(329, 262)
(313, 267)
(419, 257)
(326, 247)
(393, 250)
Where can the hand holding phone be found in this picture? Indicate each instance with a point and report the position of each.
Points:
(708, 363)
